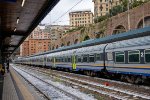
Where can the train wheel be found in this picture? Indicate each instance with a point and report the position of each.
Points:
(131, 79)
(134, 79)
(123, 78)
(138, 80)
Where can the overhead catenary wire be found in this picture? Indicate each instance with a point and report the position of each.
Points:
(67, 11)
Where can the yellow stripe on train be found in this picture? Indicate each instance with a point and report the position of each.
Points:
(94, 65)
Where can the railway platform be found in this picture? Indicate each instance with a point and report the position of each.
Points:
(14, 87)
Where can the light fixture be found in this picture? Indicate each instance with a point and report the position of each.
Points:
(23, 1)
(15, 30)
(17, 20)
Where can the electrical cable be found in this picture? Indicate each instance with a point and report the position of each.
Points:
(67, 11)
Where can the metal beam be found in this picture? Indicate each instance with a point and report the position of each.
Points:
(18, 34)
(6, 46)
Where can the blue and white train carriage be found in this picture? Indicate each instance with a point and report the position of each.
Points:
(126, 58)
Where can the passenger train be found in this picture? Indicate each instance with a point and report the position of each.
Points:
(128, 59)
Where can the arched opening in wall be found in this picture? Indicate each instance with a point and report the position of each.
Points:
(144, 23)
(86, 38)
(76, 41)
(119, 29)
(68, 43)
(62, 45)
(57, 47)
(53, 48)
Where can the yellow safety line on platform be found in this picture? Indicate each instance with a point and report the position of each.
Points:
(24, 91)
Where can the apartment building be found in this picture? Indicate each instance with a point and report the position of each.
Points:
(56, 31)
(38, 45)
(81, 18)
(37, 42)
(39, 34)
(102, 7)
(24, 48)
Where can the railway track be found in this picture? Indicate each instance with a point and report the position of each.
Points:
(97, 87)
(49, 94)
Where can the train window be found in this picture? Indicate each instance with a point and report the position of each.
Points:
(56, 59)
(98, 58)
(85, 58)
(79, 58)
(69, 59)
(48, 60)
(119, 57)
(147, 56)
(134, 56)
(66, 59)
(44, 58)
(91, 58)
(61, 59)
(51, 59)
(109, 56)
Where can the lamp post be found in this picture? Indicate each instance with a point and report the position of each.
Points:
(128, 7)
(143, 17)
(110, 7)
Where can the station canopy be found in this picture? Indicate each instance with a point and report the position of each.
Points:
(18, 18)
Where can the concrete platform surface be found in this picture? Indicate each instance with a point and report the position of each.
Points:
(14, 87)
(9, 91)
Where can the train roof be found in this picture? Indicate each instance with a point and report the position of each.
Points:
(109, 39)
(142, 41)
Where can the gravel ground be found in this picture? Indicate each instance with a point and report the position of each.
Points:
(51, 92)
(97, 86)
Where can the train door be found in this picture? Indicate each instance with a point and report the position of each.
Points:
(108, 56)
(110, 62)
(49, 61)
(73, 62)
(42, 59)
(53, 62)
(45, 60)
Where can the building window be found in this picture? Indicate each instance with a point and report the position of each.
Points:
(134, 56)
(101, 7)
(106, 9)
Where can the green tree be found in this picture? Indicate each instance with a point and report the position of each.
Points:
(136, 3)
(124, 4)
(115, 10)
(100, 18)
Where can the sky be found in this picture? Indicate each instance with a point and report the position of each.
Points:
(54, 16)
